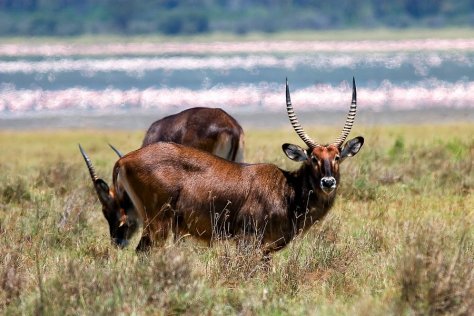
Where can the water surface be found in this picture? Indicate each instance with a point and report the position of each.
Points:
(390, 76)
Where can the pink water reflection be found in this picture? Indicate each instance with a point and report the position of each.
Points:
(268, 98)
(140, 65)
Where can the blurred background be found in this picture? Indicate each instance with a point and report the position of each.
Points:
(172, 17)
(123, 64)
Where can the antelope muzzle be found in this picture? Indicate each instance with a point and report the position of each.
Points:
(328, 184)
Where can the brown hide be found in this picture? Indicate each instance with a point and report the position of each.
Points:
(208, 129)
(192, 192)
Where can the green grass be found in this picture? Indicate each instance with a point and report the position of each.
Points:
(308, 35)
(400, 239)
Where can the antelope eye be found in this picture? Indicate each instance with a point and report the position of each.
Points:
(337, 158)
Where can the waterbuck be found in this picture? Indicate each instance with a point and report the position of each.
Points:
(171, 187)
(208, 129)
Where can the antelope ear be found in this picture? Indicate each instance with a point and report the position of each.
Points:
(294, 152)
(103, 191)
(352, 147)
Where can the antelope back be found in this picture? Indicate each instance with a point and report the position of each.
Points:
(208, 129)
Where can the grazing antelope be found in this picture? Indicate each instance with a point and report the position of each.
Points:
(187, 191)
(119, 214)
(208, 129)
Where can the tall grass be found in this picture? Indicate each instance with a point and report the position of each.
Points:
(398, 241)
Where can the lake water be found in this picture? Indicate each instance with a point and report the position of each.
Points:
(60, 80)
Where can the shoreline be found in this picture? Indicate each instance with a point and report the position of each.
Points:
(140, 120)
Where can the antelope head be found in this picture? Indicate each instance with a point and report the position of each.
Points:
(323, 160)
(117, 213)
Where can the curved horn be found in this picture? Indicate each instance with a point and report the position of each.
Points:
(294, 121)
(116, 151)
(89, 164)
(350, 118)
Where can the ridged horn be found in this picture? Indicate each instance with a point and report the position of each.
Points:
(294, 121)
(116, 151)
(350, 118)
(89, 164)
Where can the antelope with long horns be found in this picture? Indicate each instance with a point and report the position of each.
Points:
(187, 191)
(208, 129)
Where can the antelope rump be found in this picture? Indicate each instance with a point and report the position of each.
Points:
(208, 129)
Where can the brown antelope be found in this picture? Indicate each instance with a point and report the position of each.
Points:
(187, 191)
(208, 129)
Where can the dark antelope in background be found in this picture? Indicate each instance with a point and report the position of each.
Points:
(208, 129)
(188, 191)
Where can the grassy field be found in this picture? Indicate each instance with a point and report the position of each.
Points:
(310, 35)
(399, 241)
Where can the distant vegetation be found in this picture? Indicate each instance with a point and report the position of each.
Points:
(172, 17)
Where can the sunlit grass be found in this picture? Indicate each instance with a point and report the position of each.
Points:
(399, 240)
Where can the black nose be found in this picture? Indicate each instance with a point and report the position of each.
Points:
(328, 182)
